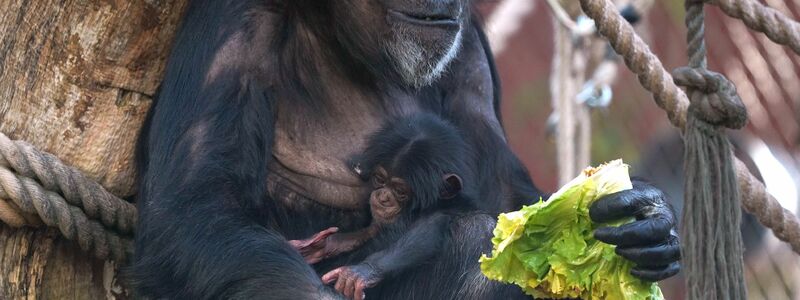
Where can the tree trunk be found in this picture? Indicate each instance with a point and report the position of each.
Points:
(76, 80)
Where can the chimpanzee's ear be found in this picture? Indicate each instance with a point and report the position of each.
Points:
(452, 186)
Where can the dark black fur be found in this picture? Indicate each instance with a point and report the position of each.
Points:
(203, 156)
(207, 225)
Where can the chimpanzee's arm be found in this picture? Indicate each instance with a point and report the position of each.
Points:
(329, 243)
(650, 241)
(208, 145)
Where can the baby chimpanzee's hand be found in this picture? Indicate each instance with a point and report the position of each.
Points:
(351, 281)
(314, 249)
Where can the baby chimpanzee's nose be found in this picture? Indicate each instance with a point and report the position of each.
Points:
(386, 201)
(382, 197)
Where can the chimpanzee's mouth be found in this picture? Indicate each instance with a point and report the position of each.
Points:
(424, 20)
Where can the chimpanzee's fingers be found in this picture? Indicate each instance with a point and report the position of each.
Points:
(656, 274)
(329, 231)
(644, 232)
(313, 259)
(322, 235)
(340, 284)
(659, 255)
(616, 206)
(296, 244)
(331, 276)
(349, 287)
(359, 293)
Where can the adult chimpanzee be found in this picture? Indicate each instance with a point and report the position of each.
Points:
(263, 102)
(418, 173)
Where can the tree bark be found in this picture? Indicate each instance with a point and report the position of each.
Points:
(76, 80)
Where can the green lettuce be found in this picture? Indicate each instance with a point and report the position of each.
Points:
(548, 249)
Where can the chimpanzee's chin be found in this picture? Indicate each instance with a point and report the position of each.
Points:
(422, 49)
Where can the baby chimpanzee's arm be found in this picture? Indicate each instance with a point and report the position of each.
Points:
(313, 249)
(422, 242)
(328, 243)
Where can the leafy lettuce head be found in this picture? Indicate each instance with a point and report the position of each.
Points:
(549, 251)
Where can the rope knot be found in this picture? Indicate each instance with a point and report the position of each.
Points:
(713, 97)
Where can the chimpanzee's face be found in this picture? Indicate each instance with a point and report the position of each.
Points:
(389, 196)
(419, 37)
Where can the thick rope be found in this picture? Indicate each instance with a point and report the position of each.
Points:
(30, 197)
(695, 35)
(783, 222)
(759, 17)
(668, 96)
(77, 189)
(712, 242)
(712, 247)
(639, 59)
(24, 201)
(11, 214)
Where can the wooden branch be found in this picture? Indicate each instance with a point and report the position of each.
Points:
(76, 80)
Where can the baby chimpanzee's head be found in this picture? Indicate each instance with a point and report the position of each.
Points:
(413, 162)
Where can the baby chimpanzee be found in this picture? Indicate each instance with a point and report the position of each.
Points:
(416, 165)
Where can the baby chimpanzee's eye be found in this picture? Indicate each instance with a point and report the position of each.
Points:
(378, 181)
(402, 194)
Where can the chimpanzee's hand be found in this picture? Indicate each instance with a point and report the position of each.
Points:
(650, 241)
(351, 281)
(314, 249)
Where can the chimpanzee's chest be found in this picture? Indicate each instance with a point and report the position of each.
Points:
(312, 152)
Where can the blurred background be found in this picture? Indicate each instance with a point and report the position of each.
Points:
(531, 47)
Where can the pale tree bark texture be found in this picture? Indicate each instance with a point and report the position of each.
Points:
(76, 80)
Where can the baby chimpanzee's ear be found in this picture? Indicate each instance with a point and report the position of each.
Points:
(452, 186)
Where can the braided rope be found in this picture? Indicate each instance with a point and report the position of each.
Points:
(759, 17)
(668, 96)
(695, 35)
(30, 197)
(77, 189)
(784, 223)
(11, 215)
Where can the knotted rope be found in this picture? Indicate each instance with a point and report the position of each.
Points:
(668, 96)
(712, 241)
(75, 214)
